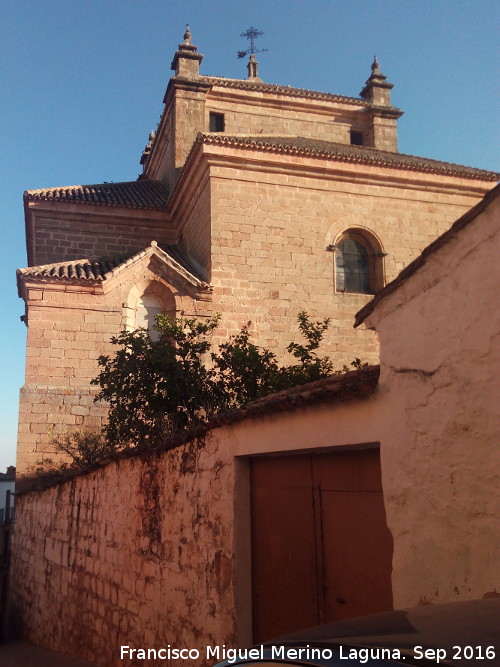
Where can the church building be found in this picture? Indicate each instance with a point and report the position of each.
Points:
(256, 201)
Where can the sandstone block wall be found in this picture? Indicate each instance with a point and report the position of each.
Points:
(69, 327)
(271, 231)
(280, 115)
(195, 212)
(92, 231)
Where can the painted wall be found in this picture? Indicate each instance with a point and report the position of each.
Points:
(138, 553)
(440, 351)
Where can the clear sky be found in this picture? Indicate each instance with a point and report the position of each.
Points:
(82, 85)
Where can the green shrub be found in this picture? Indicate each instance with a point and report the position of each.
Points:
(155, 388)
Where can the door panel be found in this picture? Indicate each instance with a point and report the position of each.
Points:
(283, 547)
(357, 554)
(321, 549)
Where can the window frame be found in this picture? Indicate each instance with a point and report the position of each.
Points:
(375, 257)
(218, 119)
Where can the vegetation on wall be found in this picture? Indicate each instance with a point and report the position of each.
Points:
(157, 387)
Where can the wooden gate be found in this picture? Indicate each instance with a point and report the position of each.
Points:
(321, 549)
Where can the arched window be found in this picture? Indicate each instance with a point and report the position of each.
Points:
(147, 308)
(144, 302)
(358, 263)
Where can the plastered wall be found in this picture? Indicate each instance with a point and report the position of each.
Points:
(440, 352)
(137, 554)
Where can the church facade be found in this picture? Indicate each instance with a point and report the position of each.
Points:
(256, 201)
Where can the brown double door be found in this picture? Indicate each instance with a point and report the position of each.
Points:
(321, 549)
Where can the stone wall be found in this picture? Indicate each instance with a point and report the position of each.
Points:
(138, 553)
(69, 327)
(80, 230)
(272, 225)
(261, 113)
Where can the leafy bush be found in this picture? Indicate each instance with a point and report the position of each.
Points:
(157, 387)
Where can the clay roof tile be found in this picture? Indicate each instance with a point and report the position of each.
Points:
(141, 194)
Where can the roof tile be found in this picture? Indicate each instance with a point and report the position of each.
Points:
(349, 153)
(92, 271)
(290, 91)
(141, 194)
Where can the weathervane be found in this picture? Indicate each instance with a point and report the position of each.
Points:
(251, 34)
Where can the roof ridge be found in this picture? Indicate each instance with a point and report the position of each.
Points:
(349, 153)
(276, 87)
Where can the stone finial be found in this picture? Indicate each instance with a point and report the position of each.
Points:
(187, 36)
(186, 62)
(253, 67)
(377, 89)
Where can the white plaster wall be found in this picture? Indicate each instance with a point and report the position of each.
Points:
(439, 336)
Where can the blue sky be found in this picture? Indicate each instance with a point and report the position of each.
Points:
(82, 85)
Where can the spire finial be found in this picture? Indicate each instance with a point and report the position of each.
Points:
(253, 66)
(186, 62)
(252, 34)
(377, 89)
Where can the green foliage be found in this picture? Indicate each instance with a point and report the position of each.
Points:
(158, 387)
(248, 372)
(81, 449)
(244, 370)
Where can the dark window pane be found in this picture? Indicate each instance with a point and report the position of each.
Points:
(352, 267)
(356, 138)
(216, 122)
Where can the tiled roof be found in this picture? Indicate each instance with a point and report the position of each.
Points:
(244, 84)
(347, 153)
(341, 388)
(93, 271)
(463, 221)
(88, 270)
(142, 194)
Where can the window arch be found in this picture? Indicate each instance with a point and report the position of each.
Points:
(144, 304)
(358, 263)
(147, 308)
